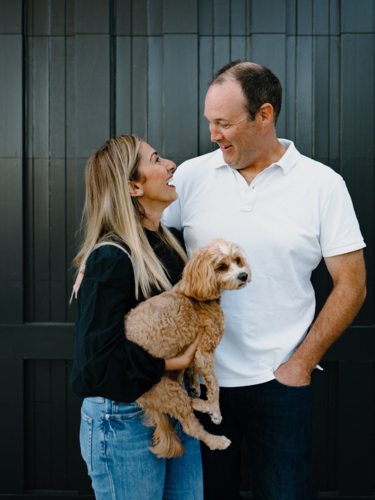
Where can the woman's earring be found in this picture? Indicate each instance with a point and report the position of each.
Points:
(141, 193)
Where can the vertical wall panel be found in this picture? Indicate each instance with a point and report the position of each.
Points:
(334, 103)
(155, 93)
(139, 17)
(355, 454)
(268, 17)
(321, 17)
(269, 50)
(57, 17)
(357, 17)
(123, 85)
(289, 93)
(321, 99)
(155, 17)
(41, 239)
(92, 16)
(180, 79)
(11, 96)
(206, 72)
(221, 52)
(57, 240)
(357, 142)
(304, 17)
(238, 18)
(40, 85)
(57, 102)
(180, 16)
(139, 86)
(206, 18)
(123, 17)
(11, 16)
(92, 93)
(304, 115)
(222, 17)
(11, 221)
(12, 423)
(238, 48)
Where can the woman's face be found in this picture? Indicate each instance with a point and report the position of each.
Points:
(155, 173)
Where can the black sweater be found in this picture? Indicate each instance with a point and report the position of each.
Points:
(105, 363)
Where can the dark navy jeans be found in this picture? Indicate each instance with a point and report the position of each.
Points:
(276, 423)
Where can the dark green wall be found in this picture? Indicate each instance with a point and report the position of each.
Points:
(75, 72)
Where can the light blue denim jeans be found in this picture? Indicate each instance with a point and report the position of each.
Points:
(114, 444)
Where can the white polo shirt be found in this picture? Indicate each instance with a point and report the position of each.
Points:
(293, 213)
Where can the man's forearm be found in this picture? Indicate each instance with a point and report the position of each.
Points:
(338, 313)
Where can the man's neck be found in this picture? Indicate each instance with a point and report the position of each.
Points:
(263, 161)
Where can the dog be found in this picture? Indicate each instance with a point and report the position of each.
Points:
(165, 325)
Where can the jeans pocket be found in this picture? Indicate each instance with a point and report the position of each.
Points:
(298, 387)
(125, 411)
(85, 439)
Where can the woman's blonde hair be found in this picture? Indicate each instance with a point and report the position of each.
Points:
(111, 213)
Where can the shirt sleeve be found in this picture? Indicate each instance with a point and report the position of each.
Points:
(106, 364)
(339, 230)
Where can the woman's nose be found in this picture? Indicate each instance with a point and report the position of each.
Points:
(171, 165)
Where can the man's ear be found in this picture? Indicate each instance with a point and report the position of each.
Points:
(134, 189)
(266, 113)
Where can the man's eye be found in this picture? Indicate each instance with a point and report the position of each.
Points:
(157, 159)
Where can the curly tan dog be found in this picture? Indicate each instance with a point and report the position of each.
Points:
(167, 324)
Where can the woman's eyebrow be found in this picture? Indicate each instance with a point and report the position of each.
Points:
(154, 153)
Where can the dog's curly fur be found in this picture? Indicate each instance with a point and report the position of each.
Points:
(167, 324)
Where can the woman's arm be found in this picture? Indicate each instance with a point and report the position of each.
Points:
(106, 363)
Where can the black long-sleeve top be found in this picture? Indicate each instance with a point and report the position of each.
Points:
(105, 363)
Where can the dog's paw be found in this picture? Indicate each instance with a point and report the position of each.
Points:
(193, 393)
(218, 443)
(216, 418)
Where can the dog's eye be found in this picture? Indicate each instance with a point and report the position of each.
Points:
(222, 267)
(238, 261)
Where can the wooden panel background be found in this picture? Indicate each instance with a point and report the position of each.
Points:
(75, 72)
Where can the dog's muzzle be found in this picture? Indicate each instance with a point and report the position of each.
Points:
(242, 276)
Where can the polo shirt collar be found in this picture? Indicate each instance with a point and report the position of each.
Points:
(287, 161)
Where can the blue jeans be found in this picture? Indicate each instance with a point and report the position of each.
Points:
(276, 422)
(114, 444)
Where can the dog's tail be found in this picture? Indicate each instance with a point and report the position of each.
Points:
(166, 443)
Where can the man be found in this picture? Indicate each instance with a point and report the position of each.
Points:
(286, 211)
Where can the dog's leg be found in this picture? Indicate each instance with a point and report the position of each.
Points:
(192, 379)
(200, 405)
(206, 366)
(168, 396)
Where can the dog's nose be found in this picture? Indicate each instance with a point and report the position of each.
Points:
(242, 276)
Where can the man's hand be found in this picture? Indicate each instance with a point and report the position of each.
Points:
(184, 361)
(292, 374)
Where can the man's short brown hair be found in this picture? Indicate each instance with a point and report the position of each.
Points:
(258, 83)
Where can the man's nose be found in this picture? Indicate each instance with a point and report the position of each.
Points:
(215, 134)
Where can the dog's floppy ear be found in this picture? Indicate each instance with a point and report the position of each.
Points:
(198, 279)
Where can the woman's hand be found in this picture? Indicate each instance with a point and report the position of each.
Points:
(78, 282)
(183, 361)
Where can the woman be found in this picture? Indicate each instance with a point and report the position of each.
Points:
(126, 193)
